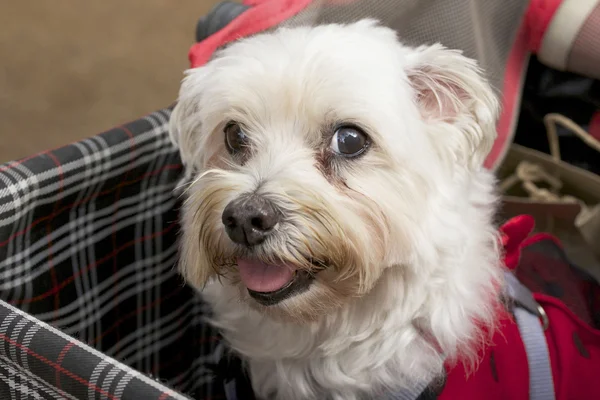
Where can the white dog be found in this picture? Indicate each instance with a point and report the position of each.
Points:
(338, 218)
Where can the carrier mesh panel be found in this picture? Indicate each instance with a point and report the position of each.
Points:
(483, 29)
(585, 54)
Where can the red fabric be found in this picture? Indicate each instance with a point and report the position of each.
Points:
(514, 232)
(538, 16)
(511, 95)
(253, 2)
(503, 372)
(263, 15)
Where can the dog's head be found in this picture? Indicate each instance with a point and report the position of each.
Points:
(318, 157)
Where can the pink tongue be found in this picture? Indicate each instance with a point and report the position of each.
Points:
(262, 277)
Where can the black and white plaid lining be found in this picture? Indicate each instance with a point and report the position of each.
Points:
(88, 246)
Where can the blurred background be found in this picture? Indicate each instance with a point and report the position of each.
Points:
(70, 68)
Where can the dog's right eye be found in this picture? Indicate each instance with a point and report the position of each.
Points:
(349, 141)
(235, 137)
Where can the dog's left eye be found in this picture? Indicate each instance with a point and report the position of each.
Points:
(349, 141)
(235, 137)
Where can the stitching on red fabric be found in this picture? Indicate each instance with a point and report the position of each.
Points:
(95, 264)
(57, 367)
(89, 198)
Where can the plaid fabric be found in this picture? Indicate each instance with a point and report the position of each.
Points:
(87, 254)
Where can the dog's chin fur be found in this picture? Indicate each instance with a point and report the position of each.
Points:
(405, 231)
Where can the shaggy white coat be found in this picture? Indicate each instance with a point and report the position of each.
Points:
(408, 225)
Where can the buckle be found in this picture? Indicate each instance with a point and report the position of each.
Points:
(543, 316)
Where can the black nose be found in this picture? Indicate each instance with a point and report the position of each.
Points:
(249, 220)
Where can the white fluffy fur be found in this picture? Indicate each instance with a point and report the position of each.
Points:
(415, 212)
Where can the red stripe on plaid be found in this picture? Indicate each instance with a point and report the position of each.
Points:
(132, 148)
(134, 313)
(53, 277)
(60, 359)
(93, 265)
(207, 339)
(89, 198)
(13, 164)
(176, 359)
(57, 367)
(155, 371)
(164, 396)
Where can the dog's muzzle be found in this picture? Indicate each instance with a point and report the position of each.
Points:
(249, 220)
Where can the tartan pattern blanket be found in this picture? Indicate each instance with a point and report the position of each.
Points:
(87, 255)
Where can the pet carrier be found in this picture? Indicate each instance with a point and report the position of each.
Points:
(91, 303)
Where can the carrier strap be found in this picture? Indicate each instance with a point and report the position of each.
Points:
(532, 322)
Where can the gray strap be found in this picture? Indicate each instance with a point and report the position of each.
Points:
(412, 393)
(532, 321)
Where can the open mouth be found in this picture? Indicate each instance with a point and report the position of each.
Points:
(270, 284)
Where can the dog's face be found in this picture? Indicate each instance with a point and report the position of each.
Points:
(317, 158)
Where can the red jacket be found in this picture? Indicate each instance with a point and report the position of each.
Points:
(574, 345)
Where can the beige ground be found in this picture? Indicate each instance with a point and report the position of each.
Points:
(72, 68)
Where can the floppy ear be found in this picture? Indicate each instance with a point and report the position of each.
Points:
(185, 123)
(456, 102)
